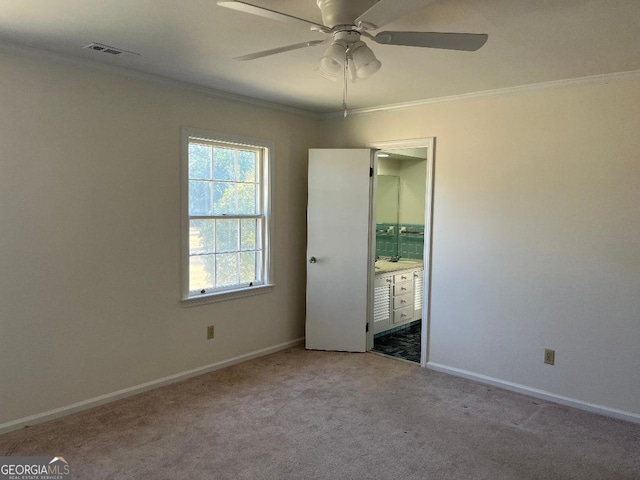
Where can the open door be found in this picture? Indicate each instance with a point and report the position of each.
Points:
(339, 249)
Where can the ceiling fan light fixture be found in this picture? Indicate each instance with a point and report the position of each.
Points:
(332, 62)
(364, 61)
(326, 75)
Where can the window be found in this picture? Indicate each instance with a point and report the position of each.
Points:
(226, 216)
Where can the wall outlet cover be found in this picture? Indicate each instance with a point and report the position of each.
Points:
(549, 356)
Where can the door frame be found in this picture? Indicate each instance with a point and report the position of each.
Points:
(429, 143)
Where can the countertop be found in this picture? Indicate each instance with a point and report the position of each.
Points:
(385, 266)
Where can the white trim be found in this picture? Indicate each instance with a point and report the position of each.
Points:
(571, 82)
(534, 392)
(143, 387)
(429, 143)
(427, 254)
(371, 246)
(424, 142)
(231, 295)
(157, 79)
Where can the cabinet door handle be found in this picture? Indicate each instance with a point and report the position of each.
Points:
(313, 260)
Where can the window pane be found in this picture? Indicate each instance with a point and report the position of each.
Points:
(201, 237)
(224, 164)
(201, 272)
(199, 161)
(227, 235)
(227, 269)
(259, 266)
(224, 198)
(247, 166)
(246, 198)
(199, 198)
(248, 233)
(247, 267)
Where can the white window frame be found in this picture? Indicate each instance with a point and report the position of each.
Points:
(266, 172)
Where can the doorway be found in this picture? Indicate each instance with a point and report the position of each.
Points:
(402, 211)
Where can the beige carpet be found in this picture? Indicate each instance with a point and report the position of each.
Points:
(321, 415)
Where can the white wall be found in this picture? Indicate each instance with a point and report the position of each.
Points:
(536, 240)
(387, 195)
(386, 166)
(90, 239)
(413, 182)
(412, 175)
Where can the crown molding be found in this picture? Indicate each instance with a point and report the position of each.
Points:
(219, 94)
(40, 54)
(571, 82)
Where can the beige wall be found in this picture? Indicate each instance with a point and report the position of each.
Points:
(387, 195)
(536, 235)
(90, 242)
(412, 176)
(536, 240)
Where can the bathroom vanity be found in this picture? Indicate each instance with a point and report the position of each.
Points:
(397, 294)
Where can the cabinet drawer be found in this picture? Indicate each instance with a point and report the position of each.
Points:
(403, 288)
(402, 301)
(381, 280)
(403, 315)
(402, 277)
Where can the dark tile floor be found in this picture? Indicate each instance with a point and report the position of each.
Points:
(403, 343)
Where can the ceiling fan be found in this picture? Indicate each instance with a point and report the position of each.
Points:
(346, 22)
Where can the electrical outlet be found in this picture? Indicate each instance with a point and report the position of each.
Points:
(209, 332)
(549, 356)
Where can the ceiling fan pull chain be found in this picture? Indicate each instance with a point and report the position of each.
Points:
(344, 88)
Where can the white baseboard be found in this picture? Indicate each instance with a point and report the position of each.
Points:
(127, 392)
(534, 392)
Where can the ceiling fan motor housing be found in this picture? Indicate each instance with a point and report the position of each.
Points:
(342, 12)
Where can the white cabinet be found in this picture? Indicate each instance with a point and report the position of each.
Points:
(397, 299)
(418, 279)
(401, 301)
(402, 315)
(382, 307)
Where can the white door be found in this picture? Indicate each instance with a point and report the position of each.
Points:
(339, 254)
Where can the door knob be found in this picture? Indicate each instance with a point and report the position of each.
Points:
(312, 260)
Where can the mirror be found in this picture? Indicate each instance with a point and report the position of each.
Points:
(387, 211)
(400, 203)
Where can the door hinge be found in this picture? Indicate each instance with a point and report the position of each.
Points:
(371, 171)
(367, 328)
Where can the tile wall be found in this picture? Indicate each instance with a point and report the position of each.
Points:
(386, 240)
(405, 240)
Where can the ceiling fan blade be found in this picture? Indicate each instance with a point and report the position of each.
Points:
(273, 51)
(386, 11)
(469, 42)
(267, 13)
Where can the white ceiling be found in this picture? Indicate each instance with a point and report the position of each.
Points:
(194, 41)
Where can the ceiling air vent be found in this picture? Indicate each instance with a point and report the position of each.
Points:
(99, 47)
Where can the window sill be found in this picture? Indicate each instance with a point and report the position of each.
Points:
(223, 296)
